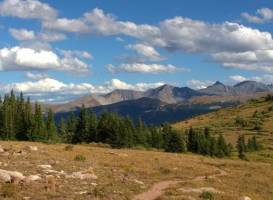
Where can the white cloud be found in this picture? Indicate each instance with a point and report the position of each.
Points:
(81, 54)
(237, 78)
(27, 9)
(67, 25)
(36, 76)
(22, 34)
(56, 91)
(147, 51)
(266, 78)
(29, 35)
(145, 68)
(260, 60)
(197, 84)
(262, 15)
(18, 58)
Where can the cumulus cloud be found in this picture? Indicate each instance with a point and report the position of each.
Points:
(36, 76)
(262, 15)
(197, 84)
(266, 78)
(19, 58)
(67, 25)
(27, 9)
(147, 51)
(29, 35)
(145, 68)
(237, 78)
(57, 91)
(81, 54)
(259, 60)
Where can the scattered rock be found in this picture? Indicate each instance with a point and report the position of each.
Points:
(245, 198)
(8, 176)
(51, 171)
(33, 178)
(32, 148)
(19, 153)
(138, 182)
(87, 174)
(1, 150)
(45, 166)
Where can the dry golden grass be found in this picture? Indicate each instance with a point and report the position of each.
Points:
(120, 171)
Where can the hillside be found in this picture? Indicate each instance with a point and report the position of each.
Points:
(254, 117)
(46, 171)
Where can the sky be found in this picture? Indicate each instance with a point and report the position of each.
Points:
(57, 50)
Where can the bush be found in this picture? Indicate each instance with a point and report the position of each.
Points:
(207, 196)
(68, 147)
(79, 158)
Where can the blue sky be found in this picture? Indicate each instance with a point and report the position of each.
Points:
(56, 51)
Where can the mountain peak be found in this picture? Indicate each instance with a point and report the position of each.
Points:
(218, 83)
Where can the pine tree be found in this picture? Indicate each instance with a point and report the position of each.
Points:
(241, 147)
(82, 130)
(63, 131)
(38, 132)
(51, 127)
(93, 128)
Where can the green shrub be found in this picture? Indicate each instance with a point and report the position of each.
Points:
(207, 196)
(79, 158)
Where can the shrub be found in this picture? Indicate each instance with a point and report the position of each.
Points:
(79, 158)
(207, 196)
(68, 147)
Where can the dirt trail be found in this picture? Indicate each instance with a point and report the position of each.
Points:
(158, 188)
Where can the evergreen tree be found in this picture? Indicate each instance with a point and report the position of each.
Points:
(241, 147)
(51, 127)
(38, 132)
(82, 130)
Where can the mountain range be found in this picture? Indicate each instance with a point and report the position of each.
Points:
(167, 102)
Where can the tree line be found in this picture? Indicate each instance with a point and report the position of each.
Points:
(21, 120)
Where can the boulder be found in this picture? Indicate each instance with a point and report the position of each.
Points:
(8, 176)
(45, 166)
(31, 148)
(33, 178)
(245, 198)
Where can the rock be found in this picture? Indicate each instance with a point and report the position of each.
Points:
(19, 153)
(245, 198)
(138, 182)
(45, 166)
(53, 162)
(2, 150)
(8, 176)
(33, 178)
(5, 176)
(51, 171)
(26, 198)
(82, 176)
(86, 174)
(32, 148)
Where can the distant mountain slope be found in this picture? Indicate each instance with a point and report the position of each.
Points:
(219, 88)
(154, 111)
(247, 87)
(169, 94)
